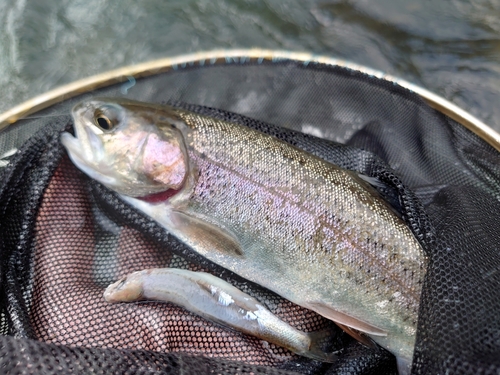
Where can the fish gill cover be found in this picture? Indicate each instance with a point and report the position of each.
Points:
(64, 238)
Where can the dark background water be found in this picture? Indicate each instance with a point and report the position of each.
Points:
(449, 47)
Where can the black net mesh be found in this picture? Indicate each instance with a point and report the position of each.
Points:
(64, 238)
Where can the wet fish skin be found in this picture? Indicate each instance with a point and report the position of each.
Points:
(313, 233)
(218, 301)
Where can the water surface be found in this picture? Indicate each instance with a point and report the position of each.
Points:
(451, 48)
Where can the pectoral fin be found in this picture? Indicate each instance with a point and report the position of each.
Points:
(205, 236)
(201, 235)
(346, 320)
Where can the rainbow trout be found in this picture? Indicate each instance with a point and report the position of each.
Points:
(317, 235)
(216, 300)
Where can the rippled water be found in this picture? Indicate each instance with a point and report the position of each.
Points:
(449, 47)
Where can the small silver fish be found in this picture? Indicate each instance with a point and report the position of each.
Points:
(318, 235)
(218, 301)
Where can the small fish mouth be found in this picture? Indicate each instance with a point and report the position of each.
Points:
(126, 289)
(109, 293)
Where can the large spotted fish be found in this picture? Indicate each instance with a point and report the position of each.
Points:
(304, 228)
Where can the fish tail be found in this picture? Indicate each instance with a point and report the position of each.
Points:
(318, 340)
(404, 365)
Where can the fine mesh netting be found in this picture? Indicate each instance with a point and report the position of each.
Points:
(64, 238)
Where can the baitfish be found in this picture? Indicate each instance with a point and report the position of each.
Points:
(216, 300)
(318, 235)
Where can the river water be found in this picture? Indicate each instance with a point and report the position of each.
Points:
(449, 47)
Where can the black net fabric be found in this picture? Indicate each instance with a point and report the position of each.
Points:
(64, 238)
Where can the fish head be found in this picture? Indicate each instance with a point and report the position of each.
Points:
(128, 289)
(133, 148)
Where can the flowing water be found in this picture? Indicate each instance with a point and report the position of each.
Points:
(449, 47)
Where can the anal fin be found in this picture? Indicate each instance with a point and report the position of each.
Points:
(346, 320)
(361, 337)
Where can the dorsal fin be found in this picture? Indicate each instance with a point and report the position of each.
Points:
(388, 193)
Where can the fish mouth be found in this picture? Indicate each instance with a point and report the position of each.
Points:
(79, 157)
(86, 149)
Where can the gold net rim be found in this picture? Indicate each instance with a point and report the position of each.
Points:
(218, 57)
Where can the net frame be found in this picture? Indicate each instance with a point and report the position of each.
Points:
(237, 56)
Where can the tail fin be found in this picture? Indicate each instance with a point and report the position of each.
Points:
(318, 340)
(404, 365)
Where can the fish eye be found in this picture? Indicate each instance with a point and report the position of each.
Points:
(103, 122)
(106, 118)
